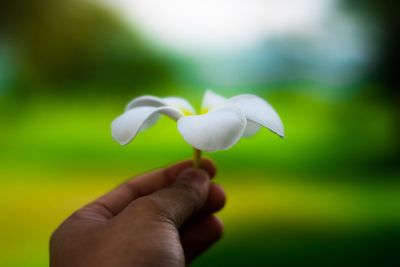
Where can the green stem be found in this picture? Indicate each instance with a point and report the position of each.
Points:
(197, 158)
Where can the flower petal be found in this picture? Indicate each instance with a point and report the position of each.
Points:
(153, 101)
(260, 112)
(219, 129)
(251, 128)
(125, 127)
(180, 103)
(211, 100)
(145, 101)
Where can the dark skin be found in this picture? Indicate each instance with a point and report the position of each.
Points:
(162, 218)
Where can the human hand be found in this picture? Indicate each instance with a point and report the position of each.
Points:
(162, 218)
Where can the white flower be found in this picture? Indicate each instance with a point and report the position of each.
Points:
(222, 122)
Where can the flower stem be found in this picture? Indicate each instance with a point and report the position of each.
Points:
(197, 158)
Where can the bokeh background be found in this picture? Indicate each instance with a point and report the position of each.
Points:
(327, 195)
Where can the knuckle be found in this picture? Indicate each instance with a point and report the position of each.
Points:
(78, 214)
(148, 203)
(83, 213)
(54, 238)
(150, 208)
(189, 195)
(188, 192)
(57, 236)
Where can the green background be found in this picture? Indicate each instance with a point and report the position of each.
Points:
(326, 195)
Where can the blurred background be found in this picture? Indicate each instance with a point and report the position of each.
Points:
(327, 195)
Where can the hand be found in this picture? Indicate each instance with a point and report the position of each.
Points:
(162, 218)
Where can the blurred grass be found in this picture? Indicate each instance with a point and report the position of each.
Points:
(324, 189)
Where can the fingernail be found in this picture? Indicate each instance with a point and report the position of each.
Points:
(193, 174)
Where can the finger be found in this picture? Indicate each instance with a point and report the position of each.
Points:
(200, 235)
(215, 201)
(175, 203)
(115, 201)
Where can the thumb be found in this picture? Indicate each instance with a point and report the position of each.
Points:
(177, 202)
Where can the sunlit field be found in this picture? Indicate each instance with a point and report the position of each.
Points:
(325, 194)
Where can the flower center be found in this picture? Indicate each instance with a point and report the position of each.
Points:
(186, 112)
(204, 111)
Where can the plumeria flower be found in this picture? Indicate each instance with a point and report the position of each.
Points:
(220, 124)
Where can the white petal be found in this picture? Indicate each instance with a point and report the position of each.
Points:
(145, 101)
(180, 103)
(150, 122)
(251, 129)
(153, 101)
(125, 127)
(211, 100)
(259, 111)
(219, 129)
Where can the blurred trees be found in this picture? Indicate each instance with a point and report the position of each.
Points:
(74, 44)
(387, 68)
(385, 18)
